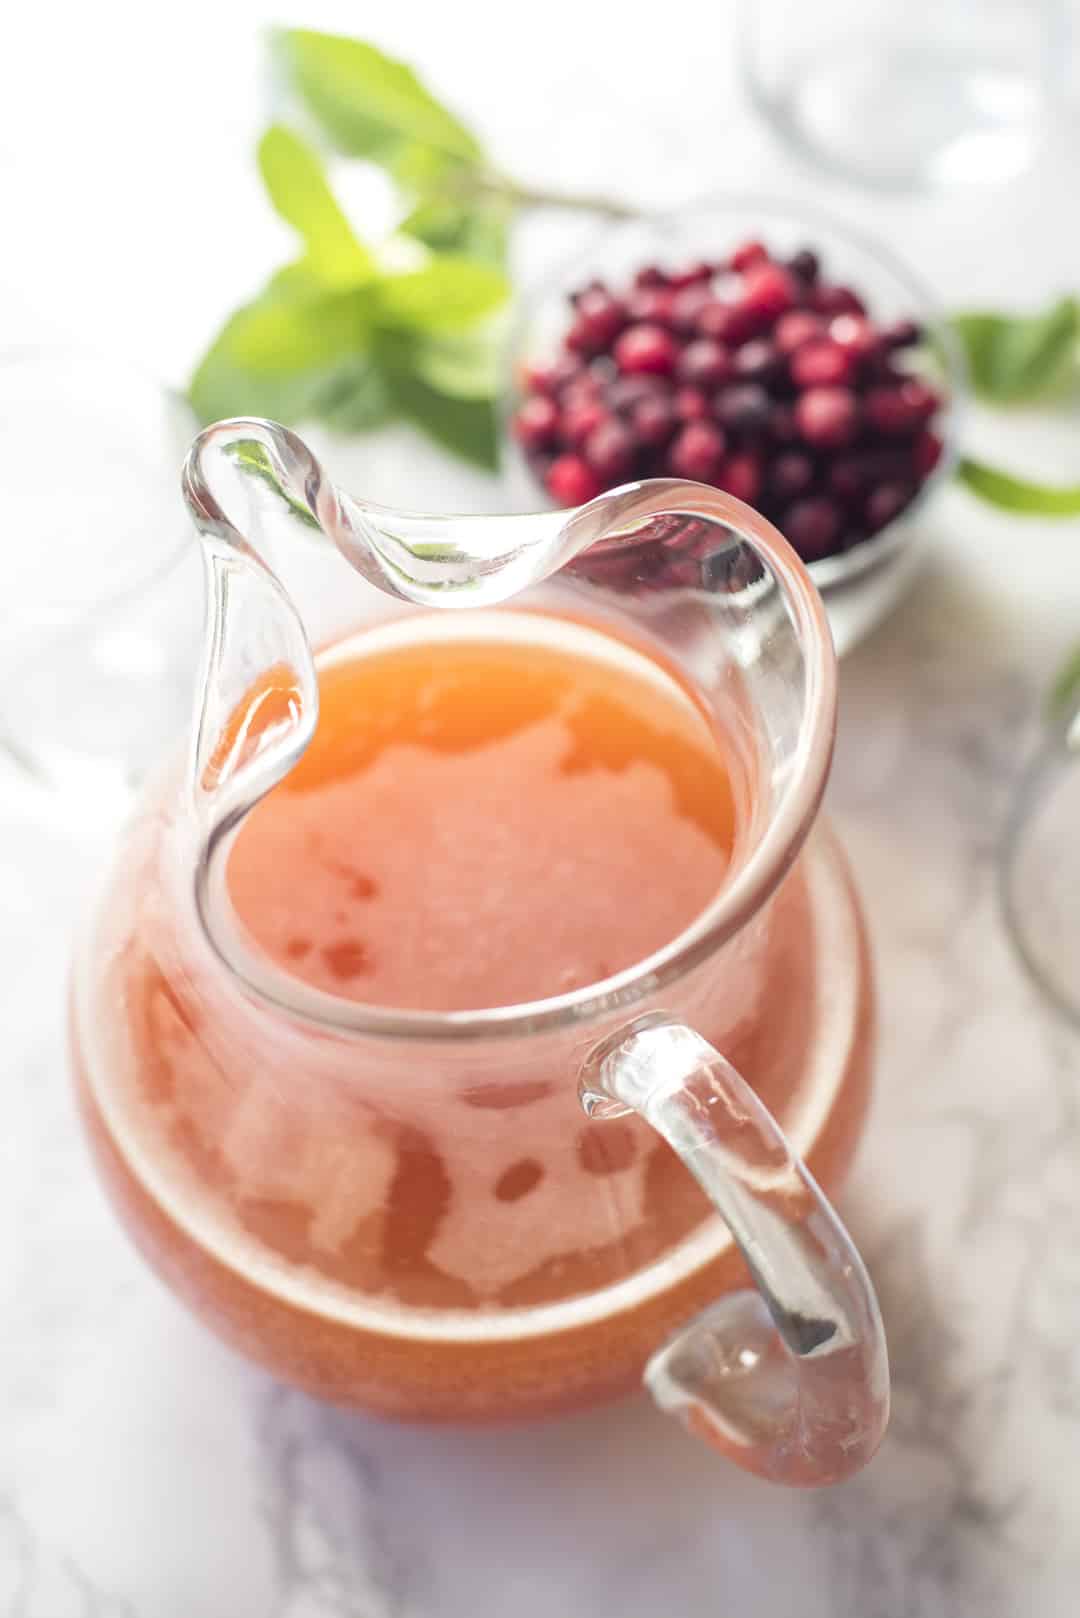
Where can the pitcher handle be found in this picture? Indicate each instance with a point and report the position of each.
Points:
(791, 1380)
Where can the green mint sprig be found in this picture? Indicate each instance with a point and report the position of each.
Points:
(356, 334)
(1016, 360)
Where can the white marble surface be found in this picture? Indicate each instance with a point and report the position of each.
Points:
(145, 1472)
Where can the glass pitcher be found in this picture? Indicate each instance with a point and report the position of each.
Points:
(449, 1202)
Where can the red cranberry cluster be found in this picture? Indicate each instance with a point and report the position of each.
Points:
(756, 375)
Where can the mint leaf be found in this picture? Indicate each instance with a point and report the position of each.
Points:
(466, 427)
(1016, 357)
(465, 366)
(1017, 494)
(281, 354)
(221, 387)
(297, 185)
(357, 400)
(445, 295)
(368, 104)
(286, 336)
(476, 232)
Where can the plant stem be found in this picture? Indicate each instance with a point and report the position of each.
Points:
(481, 183)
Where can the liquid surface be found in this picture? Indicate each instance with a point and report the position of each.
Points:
(481, 823)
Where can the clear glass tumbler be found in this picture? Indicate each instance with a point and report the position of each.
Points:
(101, 606)
(1040, 867)
(904, 93)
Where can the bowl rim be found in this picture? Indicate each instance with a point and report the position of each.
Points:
(868, 554)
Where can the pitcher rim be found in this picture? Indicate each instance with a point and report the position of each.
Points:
(732, 906)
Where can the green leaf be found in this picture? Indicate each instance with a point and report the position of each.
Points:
(446, 294)
(1016, 357)
(297, 185)
(358, 399)
(284, 336)
(476, 232)
(464, 365)
(466, 427)
(221, 387)
(368, 104)
(280, 354)
(1017, 494)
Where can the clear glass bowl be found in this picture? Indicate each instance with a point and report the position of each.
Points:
(862, 584)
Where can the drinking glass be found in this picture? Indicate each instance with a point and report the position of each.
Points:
(902, 93)
(1040, 865)
(99, 623)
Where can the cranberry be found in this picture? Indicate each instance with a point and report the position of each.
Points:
(805, 265)
(902, 334)
(566, 369)
(747, 255)
(757, 360)
(792, 474)
(579, 420)
(855, 335)
(650, 275)
(769, 290)
(536, 422)
(901, 409)
(925, 454)
(744, 408)
(581, 389)
(782, 428)
(609, 450)
(830, 300)
(706, 362)
(812, 526)
(600, 318)
(691, 404)
(730, 322)
(571, 481)
(798, 326)
(653, 421)
(693, 275)
(887, 465)
(537, 379)
(651, 304)
(821, 363)
(697, 452)
(590, 286)
(827, 417)
(848, 476)
(687, 305)
(627, 392)
(646, 350)
(884, 503)
(740, 475)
